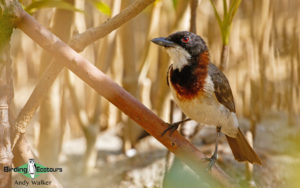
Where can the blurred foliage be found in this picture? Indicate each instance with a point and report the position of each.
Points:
(61, 4)
(39, 4)
(294, 180)
(228, 15)
(101, 7)
(181, 175)
(6, 28)
(175, 2)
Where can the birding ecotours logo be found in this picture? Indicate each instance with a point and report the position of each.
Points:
(31, 169)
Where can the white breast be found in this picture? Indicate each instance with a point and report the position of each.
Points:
(208, 110)
(179, 57)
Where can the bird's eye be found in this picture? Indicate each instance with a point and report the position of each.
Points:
(185, 39)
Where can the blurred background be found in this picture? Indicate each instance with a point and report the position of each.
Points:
(98, 145)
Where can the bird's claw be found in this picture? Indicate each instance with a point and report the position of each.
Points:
(212, 161)
(172, 127)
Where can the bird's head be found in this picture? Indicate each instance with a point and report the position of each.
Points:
(31, 161)
(183, 47)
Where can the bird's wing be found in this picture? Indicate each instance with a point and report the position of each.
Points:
(169, 69)
(222, 88)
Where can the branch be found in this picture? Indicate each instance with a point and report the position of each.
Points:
(35, 99)
(54, 68)
(104, 86)
(80, 41)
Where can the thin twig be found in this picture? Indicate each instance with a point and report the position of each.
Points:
(35, 99)
(80, 41)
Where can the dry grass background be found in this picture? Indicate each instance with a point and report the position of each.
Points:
(263, 69)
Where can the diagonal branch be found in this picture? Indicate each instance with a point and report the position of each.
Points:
(104, 86)
(54, 68)
(80, 41)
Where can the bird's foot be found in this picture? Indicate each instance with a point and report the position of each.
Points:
(212, 161)
(172, 127)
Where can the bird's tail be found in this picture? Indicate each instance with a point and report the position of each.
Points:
(242, 150)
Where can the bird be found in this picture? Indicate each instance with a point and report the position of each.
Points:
(203, 93)
(31, 168)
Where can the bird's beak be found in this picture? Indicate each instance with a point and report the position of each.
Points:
(161, 41)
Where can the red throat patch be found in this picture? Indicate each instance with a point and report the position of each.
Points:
(189, 82)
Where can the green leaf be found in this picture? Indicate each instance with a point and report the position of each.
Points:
(225, 7)
(6, 28)
(38, 4)
(175, 2)
(233, 8)
(225, 24)
(216, 14)
(102, 7)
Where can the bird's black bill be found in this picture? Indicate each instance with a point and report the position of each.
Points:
(163, 42)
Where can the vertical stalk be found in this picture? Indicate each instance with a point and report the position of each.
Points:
(193, 25)
(224, 57)
(130, 78)
(5, 144)
(50, 117)
(225, 26)
(6, 91)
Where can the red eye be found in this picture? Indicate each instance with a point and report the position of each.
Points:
(185, 39)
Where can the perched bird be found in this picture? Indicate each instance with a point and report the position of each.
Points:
(203, 92)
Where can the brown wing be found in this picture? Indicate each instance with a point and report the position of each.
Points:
(222, 88)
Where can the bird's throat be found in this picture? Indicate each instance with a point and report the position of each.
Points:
(179, 56)
(189, 81)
